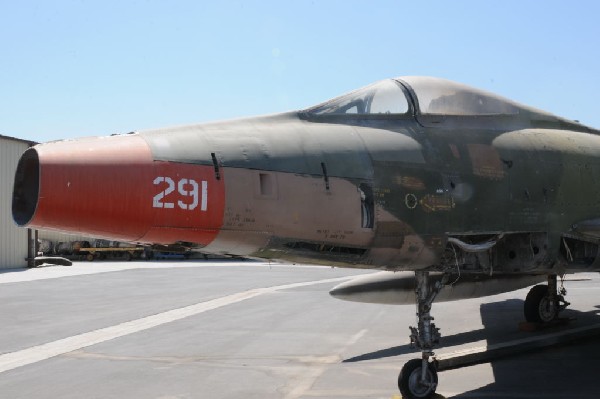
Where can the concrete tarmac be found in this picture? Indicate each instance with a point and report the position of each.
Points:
(231, 329)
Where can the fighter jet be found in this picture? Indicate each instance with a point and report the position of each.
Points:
(474, 193)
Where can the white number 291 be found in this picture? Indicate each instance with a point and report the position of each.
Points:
(185, 188)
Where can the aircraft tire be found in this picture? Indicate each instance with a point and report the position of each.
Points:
(408, 380)
(538, 308)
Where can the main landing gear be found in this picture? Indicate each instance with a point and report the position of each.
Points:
(544, 302)
(418, 378)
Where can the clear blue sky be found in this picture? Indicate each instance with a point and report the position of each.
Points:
(80, 68)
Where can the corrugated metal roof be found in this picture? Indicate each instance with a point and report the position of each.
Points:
(28, 142)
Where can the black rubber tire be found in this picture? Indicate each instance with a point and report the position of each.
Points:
(536, 307)
(407, 380)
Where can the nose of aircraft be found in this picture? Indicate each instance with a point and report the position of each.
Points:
(111, 187)
(89, 186)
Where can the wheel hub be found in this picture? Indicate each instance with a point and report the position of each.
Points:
(547, 309)
(421, 388)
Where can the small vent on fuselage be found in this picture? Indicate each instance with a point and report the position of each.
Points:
(267, 186)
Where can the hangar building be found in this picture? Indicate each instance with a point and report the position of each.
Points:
(16, 243)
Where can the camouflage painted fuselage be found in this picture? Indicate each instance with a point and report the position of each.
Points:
(306, 188)
(403, 190)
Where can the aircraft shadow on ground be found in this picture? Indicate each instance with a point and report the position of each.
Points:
(511, 311)
(565, 370)
(457, 339)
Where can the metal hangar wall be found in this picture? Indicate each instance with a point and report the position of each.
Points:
(13, 239)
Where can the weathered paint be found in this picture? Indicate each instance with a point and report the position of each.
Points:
(89, 186)
(199, 225)
(376, 190)
(108, 188)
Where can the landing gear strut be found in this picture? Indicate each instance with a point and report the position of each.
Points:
(418, 378)
(544, 302)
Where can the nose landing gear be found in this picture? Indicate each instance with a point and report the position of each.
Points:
(418, 378)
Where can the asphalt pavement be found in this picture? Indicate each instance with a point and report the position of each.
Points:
(231, 329)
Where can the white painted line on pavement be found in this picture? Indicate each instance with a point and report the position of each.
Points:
(10, 361)
(85, 268)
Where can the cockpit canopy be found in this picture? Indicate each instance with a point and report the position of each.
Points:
(430, 96)
(383, 97)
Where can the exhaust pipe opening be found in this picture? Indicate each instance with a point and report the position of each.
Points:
(26, 188)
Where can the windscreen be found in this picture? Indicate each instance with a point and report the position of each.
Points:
(384, 97)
